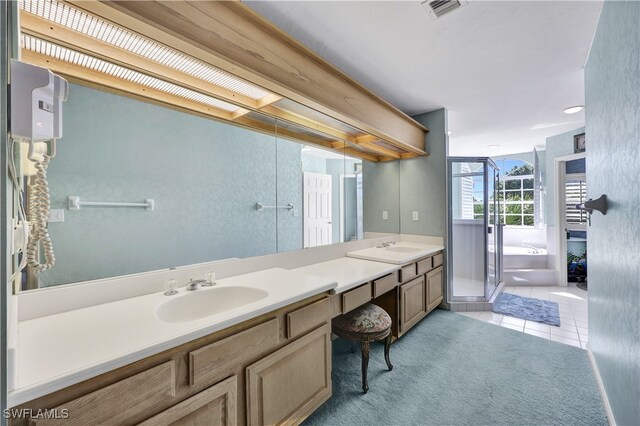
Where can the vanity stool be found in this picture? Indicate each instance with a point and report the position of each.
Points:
(365, 324)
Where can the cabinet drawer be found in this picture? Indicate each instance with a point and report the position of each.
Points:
(288, 385)
(438, 260)
(408, 272)
(354, 298)
(215, 361)
(385, 284)
(118, 403)
(307, 318)
(425, 265)
(215, 406)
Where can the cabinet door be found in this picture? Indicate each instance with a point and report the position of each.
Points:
(434, 288)
(121, 402)
(288, 385)
(412, 303)
(214, 406)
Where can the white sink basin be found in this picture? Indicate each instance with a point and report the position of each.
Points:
(205, 302)
(403, 249)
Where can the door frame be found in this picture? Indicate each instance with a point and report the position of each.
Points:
(560, 215)
(341, 201)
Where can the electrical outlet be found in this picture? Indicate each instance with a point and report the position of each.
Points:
(416, 216)
(385, 215)
(56, 215)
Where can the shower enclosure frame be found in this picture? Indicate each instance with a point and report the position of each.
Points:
(489, 288)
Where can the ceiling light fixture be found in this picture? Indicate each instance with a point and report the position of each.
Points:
(573, 109)
(77, 20)
(47, 48)
(449, 133)
(493, 146)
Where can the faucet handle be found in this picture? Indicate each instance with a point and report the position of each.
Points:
(210, 278)
(170, 287)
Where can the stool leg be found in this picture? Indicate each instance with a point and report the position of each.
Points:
(365, 365)
(387, 346)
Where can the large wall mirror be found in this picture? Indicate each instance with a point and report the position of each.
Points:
(220, 190)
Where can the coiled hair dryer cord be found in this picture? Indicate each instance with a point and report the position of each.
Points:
(39, 206)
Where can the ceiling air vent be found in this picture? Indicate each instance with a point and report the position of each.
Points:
(438, 8)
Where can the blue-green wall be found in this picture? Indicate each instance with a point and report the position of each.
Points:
(417, 184)
(423, 181)
(381, 192)
(205, 177)
(289, 190)
(612, 79)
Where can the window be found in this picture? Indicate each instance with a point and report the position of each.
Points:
(576, 193)
(516, 192)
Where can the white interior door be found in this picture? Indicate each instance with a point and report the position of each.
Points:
(317, 209)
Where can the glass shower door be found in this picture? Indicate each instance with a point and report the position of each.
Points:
(493, 225)
(467, 202)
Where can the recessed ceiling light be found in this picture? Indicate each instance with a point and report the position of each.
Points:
(573, 109)
(493, 146)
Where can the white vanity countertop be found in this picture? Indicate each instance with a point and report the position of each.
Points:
(60, 350)
(388, 255)
(348, 272)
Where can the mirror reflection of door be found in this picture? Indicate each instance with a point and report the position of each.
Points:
(317, 219)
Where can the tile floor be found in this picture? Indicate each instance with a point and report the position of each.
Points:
(572, 303)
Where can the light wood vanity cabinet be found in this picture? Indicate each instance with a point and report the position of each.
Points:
(120, 402)
(215, 406)
(419, 296)
(272, 369)
(288, 385)
(434, 282)
(413, 306)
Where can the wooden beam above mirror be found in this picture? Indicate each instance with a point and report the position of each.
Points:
(194, 87)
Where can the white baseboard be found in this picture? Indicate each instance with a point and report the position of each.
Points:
(603, 392)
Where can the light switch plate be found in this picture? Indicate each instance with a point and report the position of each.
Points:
(416, 216)
(385, 215)
(56, 215)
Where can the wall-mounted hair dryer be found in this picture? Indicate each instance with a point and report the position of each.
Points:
(36, 116)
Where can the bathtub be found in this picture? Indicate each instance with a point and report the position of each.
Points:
(515, 257)
(519, 251)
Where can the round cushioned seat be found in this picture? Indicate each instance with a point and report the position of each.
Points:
(366, 324)
(366, 319)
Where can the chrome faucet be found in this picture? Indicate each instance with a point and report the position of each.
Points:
(195, 284)
(386, 244)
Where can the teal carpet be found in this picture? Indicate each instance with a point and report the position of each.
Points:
(454, 370)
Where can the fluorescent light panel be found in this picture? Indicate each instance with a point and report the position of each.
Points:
(50, 49)
(74, 19)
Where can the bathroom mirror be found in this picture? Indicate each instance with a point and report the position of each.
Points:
(320, 197)
(220, 190)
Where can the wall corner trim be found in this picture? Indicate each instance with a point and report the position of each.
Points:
(603, 392)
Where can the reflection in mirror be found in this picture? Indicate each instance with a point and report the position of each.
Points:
(381, 198)
(220, 190)
(205, 177)
(313, 181)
